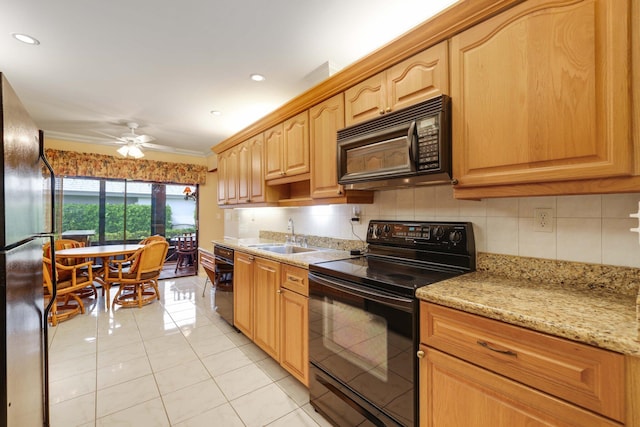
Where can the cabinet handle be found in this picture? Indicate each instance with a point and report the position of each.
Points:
(278, 291)
(497, 350)
(339, 191)
(420, 354)
(381, 111)
(293, 279)
(388, 110)
(251, 258)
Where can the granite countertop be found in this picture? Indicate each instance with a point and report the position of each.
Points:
(602, 315)
(301, 259)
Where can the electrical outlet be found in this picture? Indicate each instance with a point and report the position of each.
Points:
(543, 219)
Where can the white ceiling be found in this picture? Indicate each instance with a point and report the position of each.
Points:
(167, 64)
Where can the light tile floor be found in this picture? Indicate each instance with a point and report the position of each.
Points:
(174, 362)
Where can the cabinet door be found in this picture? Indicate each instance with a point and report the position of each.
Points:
(421, 77)
(458, 394)
(231, 176)
(325, 120)
(296, 144)
(256, 169)
(222, 177)
(294, 347)
(366, 100)
(273, 146)
(244, 171)
(243, 293)
(266, 306)
(540, 93)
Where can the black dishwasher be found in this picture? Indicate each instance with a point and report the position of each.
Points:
(223, 282)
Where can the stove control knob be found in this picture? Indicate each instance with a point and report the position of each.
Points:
(386, 229)
(438, 232)
(455, 236)
(376, 232)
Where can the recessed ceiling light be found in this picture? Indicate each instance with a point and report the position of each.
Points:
(25, 38)
(215, 113)
(257, 77)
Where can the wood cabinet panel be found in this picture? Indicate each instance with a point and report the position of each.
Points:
(243, 293)
(421, 77)
(540, 93)
(273, 146)
(418, 78)
(294, 321)
(325, 120)
(585, 375)
(266, 306)
(463, 395)
(296, 144)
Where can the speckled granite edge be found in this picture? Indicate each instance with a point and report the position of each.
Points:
(622, 280)
(596, 317)
(317, 241)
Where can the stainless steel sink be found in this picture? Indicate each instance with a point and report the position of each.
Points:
(283, 249)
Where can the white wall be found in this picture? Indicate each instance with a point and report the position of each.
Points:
(592, 229)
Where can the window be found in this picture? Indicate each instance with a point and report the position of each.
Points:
(124, 211)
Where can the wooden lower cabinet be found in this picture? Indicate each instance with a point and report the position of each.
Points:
(477, 372)
(266, 306)
(271, 307)
(256, 302)
(243, 293)
(460, 394)
(294, 322)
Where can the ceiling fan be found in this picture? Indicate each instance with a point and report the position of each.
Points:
(133, 142)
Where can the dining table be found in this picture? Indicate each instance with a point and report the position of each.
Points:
(103, 252)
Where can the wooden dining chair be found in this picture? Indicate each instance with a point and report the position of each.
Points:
(187, 251)
(137, 275)
(70, 261)
(154, 238)
(72, 281)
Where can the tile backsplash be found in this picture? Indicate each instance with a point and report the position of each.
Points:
(591, 228)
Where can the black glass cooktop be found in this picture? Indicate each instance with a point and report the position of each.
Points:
(392, 275)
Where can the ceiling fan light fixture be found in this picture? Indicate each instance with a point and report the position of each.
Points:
(135, 152)
(131, 150)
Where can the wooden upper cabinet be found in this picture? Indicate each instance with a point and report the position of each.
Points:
(325, 119)
(273, 146)
(296, 144)
(418, 78)
(540, 93)
(250, 180)
(227, 177)
(287, 148)
(222, 177)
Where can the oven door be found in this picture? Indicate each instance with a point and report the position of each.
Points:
(362, 353)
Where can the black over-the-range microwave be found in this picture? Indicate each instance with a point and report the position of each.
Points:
(405, 148)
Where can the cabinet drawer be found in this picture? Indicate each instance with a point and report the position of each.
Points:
(587, 376)
(295, 279)
(207, 260)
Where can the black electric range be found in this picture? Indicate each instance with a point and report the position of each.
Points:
(364, 319)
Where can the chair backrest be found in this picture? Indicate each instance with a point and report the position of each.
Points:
(154, 238)
(150, 258)
(186, 243)
(63, 244)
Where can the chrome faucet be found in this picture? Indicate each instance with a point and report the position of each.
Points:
(292, 230)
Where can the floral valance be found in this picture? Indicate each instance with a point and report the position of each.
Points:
(71, 163)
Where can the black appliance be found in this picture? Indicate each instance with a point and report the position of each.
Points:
(23, 337)
(364, 320)
(223, 282)
(408, 147)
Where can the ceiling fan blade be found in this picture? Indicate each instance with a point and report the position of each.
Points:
(144, 138)
(154, 146)
(115, 138)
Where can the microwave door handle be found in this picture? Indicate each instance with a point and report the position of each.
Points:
(412, 145)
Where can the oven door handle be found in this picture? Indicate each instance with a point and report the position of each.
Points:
(404, 304)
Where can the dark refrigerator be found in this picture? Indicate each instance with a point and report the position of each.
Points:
(23, 333)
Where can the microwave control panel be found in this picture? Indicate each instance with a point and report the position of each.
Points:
(428, 131)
